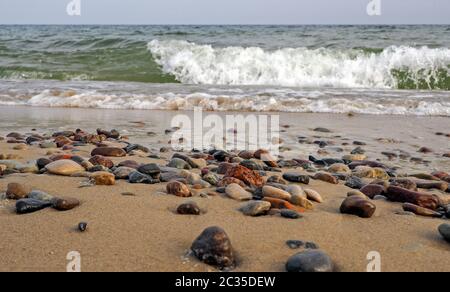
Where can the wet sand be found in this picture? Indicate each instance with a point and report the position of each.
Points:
(143, 232)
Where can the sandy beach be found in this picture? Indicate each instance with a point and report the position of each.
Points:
(143, 232)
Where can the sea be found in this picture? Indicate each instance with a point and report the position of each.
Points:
(382, 70)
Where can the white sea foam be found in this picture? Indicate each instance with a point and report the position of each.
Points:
(191, 63)
(285, 101)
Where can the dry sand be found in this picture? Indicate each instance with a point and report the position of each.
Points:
(142, 232)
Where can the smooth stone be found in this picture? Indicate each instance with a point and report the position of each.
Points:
(64, 167)
(178, 189)
(370, 172)
(230, 180)
(65, 203)
(397, 194)
(169, 176)
(420, 210)
(282, 204)
(295, 190)
(42, 162)
(380, 198)
(248, 176)
(355, 193)
(311, 245)
(322, 130)
(98, 168)
(250, 164)
(129, 163)
(277, 179)
(179, 164)
(444, 230)
(222, 156)
(101, 160)
(355, 157)
(139, 178)
(25, 206)
(109, 152)
(301, 201)
(109, 134)
(102, 178)
(189, 208)
(255, 208)
(339, 168)
(17, 191)
(269, 191)
(213, 247)
(326, 177)
(296, 178)
(151, 169)
(40, 196)
(211, 178)
(354, 182)
(236, 192)
(224, 167)
(123, 172)
(310, 261)
(295, 244)
(405, 183)
(373, 190)
(82, 226)
(290, 214)
(313, 195)
(357, 206)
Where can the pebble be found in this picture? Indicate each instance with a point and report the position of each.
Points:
(230, 180)
(313, 195)
(64, 167)
(65, 203)
(322, 130)
(355, 193)
(404, 183)
(179, 164)
(373, 190)
(236, 192)
(295, 244)
(189, 208)
(282, 204)
(310, 261)
(213, 247)
(326, 177)
(42, 162)
(41, 196)
(444, 230)
(301, 201)
(354, 182)
(397, 194)
(357, 206)
(178, 189)
(273, 192)
(211, 178)
(82, 226)
(109, 152)
(290, 214)
(129, 163)
(136, 177)
(339, 168)
(101, 160)
(123, 172)
(255, 208)
(17, 191)
(251, 164)
(25, 206)
(151, 169)
(420, 210)
(103, 178)
(249, 177)
(296, 178)
(380, 198)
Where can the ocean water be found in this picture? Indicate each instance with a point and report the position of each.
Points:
(336, 69)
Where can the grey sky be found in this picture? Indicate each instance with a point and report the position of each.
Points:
(224, 12)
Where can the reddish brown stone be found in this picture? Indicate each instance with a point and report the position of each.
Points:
(109, 152)
(397, 194)
(282, 204)
(246, 175)
(178, 189)
(326, 177)
(230, 180)
(373, 190)
(224, 167)
(61, 157)
(101, 160)
(357, 206)
(420, 210)
(130, 164)
(62, 140)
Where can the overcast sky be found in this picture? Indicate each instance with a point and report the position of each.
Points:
(225, 12)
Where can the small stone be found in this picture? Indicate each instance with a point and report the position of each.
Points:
(301, 201)
(179, 164)
(404, 183)
(311, 245)
(42, 162)
(373, 190)
(357, 206)
(295, 244)
(250, 164)
(290, 214)
(249, 177)
(82, 226)
(178, 189)
(420, 210)
(282, 204)
(103, 178)
(213, 247)
(136, 177)
(444, 230)
(123, 172)
(151, 169)
(65, 203)
(211, 178)
(296, 178)
(255, 208)
(397, 194)
(64, 167)
(101, 160)
(380, 198)
(313, 195)
(425, 150)
(25, 206)
(272, 192)
(339, 168)
(236, 192)
(189, 208)
(322, 130)
(40, 196)
(310, 261)
(109, 152)
(355, 193)
(354, 182)
(129, 163)
(222, 156)
(326, 177)
(17, 191)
